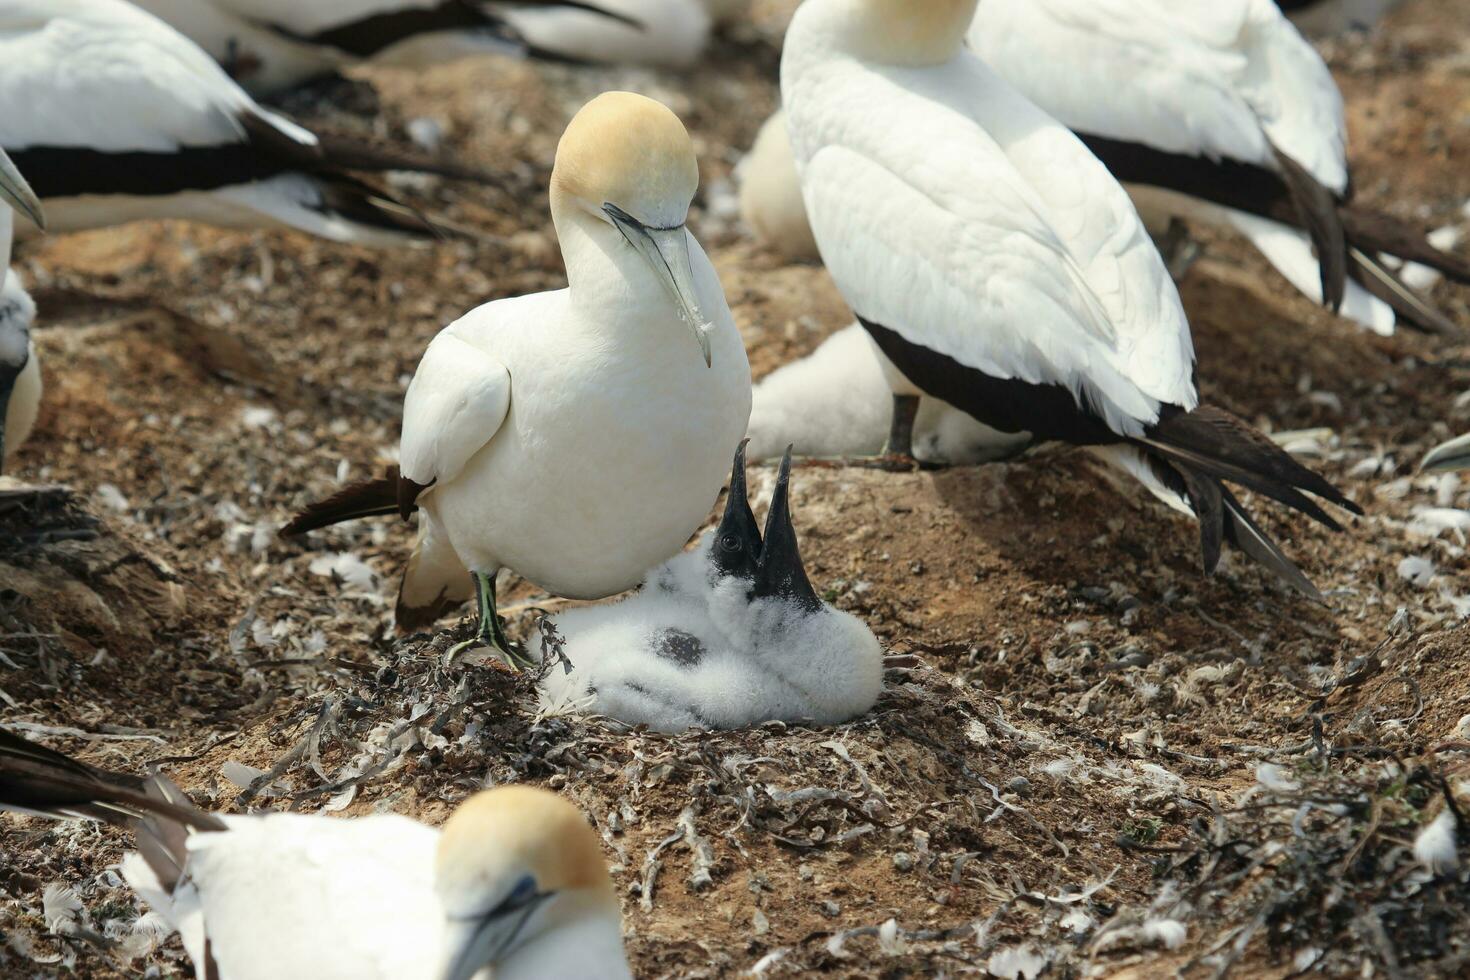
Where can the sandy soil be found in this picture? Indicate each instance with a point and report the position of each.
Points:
(1086, 747)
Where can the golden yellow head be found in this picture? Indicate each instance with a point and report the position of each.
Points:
(912, 32)
(631, 152)
(501, 835)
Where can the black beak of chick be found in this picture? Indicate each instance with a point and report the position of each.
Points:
(737, 546)
(780, 573)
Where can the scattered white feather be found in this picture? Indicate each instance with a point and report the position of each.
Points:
(1431, 522)
(426, 133)
(1418, 572)
(1274, 778)
(1435, 846)
(1077, 922)
(60, 906)
(1017, 963)
(1170, 933)
(889, 940)
(258, 417)
(112, 497)
(346, 568)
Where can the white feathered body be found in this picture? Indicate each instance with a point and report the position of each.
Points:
(577, 436)
(673, 33)
(691, 652)
(953, 211)
(17, 313)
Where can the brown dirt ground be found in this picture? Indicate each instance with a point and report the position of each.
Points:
(1075, 715)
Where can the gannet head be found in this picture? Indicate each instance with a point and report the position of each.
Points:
(628, 161)
(514, 863)
(912, 33)
(735, 548)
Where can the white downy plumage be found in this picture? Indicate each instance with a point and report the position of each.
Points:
(837, 402)
(146, 125)
(515, 882)
(999, 265)
(20, 368)
(579, 436)
(728, 635)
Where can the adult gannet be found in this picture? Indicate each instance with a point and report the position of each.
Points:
(1002, 269)
(269, 46)
(728, 635)
(1220, 111)
(20, 368)
(117, 117)
(770, 193)
(666, 33)
(514, 882)
(576, 436)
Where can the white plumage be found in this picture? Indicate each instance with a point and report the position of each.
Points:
(20, 368)
(579, 436)
(1000, 267)
(670, 33)
(715, 641)
(118, 117)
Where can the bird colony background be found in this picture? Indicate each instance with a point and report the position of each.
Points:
(1090, 760)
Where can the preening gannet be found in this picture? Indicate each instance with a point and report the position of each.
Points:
(579, 436)
(20, 369)
(666, 33)
(1220, 111)
(115, 117)
(514, 882)
(728, 635)
(1001, 268)
(837, 402)
(269, 46)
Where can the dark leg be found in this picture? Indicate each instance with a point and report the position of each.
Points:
(901, 431)
(490, 634)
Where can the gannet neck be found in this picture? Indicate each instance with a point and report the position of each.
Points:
(581, 935)
(907, 33)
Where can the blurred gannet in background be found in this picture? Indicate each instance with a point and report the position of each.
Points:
(117, 117)
(1001, 268)
(664, 33)
(269, 46)
(1214, 110)
(1326, 17)
(1218, 111)
(728, 635)
(20, 368)
(515, 881)
(1448, 457)
(577, 436)
(770, 194)
(837, 402)
(727, 12)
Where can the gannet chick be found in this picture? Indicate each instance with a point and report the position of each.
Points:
(147, 126)
(514, 882)
(728, 635)
(20, 367)
(836, 402)
(577, 436)
(270, 46)
(770, 194)
(999, 267)
(1449, 457)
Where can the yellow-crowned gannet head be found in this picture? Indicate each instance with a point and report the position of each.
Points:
(629, 161)
(514, 863)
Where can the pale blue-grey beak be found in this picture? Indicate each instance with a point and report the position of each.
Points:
(475, 943)
(667, 251)
(18, 194)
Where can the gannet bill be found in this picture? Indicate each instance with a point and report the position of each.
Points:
(728, 635)
(515, 881)
(20, 367)
(837, 402)
(148, 126)
(578, 436)
(1218, 111)
(1449, 457)
(1002, 269)
(270, 46)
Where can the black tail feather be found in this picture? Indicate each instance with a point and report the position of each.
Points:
(1380, 234)
(1244, 533)
(38, 780)
(1409, 306)
(1317, 209)
(371, 498)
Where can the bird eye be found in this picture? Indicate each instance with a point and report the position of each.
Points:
(730, 543)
